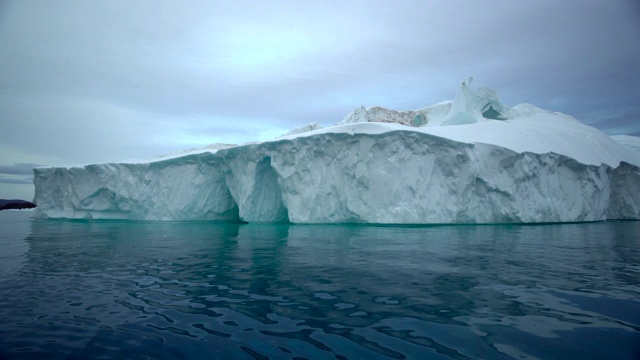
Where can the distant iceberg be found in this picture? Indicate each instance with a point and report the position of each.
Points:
(470, 160)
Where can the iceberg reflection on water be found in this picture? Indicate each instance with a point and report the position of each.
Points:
(184, 290)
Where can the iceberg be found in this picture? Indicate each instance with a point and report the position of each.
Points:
(470, 160)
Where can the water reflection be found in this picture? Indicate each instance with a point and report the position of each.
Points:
(14, 227)
(169, 290)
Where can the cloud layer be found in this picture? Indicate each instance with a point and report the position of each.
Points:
(92, 81)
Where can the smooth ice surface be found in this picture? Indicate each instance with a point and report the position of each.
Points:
(472, 160)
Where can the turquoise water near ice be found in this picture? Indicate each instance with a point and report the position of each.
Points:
(140, 290)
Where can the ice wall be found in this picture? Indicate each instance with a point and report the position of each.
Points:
(397, 177)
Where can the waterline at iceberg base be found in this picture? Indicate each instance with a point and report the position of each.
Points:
(473, 160)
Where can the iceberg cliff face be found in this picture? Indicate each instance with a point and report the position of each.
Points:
(532, 166)
(392, 177)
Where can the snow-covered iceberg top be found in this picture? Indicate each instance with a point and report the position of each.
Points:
(470, 160)
(478, 116)
(473, 117)
(469, 107)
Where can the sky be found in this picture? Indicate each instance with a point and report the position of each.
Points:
(101, 81)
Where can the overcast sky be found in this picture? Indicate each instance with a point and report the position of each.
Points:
(98, 81)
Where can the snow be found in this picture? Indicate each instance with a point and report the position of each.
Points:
(538, 133)
(471, 160)
(525, 128)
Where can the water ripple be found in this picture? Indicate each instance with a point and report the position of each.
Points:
(156, 290)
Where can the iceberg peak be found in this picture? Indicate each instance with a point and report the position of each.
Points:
(468, 107)
(472, 106)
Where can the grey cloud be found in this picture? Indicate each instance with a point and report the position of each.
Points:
(616, 122)
(102, 81)
(17, 173)
(18, 169)
(25, 181)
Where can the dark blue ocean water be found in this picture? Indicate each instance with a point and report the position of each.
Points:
(140, 290)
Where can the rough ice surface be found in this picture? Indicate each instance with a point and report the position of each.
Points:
(471, 106)
(380, 114)
(303, 129)
(472, 160)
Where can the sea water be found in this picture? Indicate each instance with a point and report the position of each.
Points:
(141, 290)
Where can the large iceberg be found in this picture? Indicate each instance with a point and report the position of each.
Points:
(471, 160)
